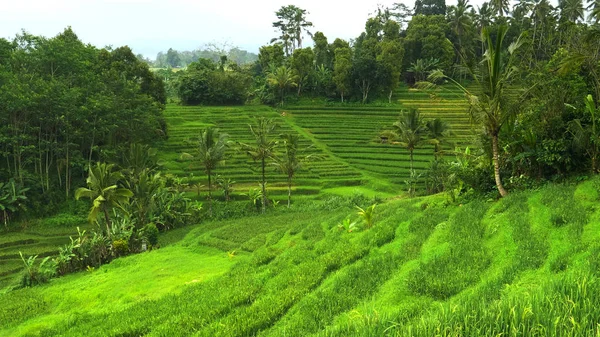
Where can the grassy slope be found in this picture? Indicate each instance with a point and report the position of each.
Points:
(525, 265)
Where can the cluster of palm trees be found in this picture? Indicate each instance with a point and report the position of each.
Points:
(213, 145)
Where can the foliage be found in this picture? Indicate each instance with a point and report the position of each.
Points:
(204, 83)
(12, 200)
(104, 192)
(262, 150)
(35, 274)
(367, 214)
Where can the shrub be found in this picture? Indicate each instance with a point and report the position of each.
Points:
(35, 274)
(150, 233)
(120, 247)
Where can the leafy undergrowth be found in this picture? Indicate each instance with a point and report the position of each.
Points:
(526, 265)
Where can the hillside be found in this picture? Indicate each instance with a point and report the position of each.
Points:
(524, 265)
(346, 138)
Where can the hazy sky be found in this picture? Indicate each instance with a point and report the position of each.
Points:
(150, 26)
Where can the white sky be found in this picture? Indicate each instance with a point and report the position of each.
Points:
(150, 26)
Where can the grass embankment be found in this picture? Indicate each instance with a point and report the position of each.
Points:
(526, 265)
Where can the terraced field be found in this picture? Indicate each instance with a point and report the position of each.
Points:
(42, 239)
(346, 138)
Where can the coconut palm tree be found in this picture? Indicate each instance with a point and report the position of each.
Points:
(262, 149)
(409, 132)
(282, 78)
(290, 161)
(571, 10)
(460, 21)
(438, 131)
(500, 6)
(212, 148)
(102, 188)
(594, 11)
(489, 106)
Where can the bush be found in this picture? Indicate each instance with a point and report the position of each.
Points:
(120, 247)
(150, 233)
(34, 273)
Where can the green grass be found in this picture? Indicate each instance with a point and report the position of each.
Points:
(526, 265)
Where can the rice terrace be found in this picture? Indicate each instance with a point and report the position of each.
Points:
(434, 175)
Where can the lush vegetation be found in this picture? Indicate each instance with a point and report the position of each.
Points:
(524, 265)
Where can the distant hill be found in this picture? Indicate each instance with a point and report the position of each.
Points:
(174, 58)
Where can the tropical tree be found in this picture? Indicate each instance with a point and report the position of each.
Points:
(12, 199)
(342, 70)
(282, 78)
(461, 23)
(291, 24)
(571, 10)
(262, 149)
(438, 131)
(489, 105)
(409, 132)
(290, 161)
(587, 137)
(302, 63)
(104, 191)
(212, 149)
(500, 6)
(594, 11)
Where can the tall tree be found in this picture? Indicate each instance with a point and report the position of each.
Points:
(323, 55)
(500, 6)
(290, 161)
(342, 70)
(438, 132)
(489, 104)
(291, 24)
(410, 132)
(571, 10)
(430, 7)
(262, 149)
(211, 152)
(303, 61)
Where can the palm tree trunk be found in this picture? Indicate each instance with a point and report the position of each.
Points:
(496, 160)
(107, 220)
(264, 192)
(209, 195)
(411, 160)
(390, 96)
(289, 191)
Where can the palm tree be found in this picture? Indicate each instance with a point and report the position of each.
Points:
(282, 78)
(460, 21)
(409, 132)
(500, 6)
(212, 147)
(263, 149)
(438, 130)
(594, 9)
(484, 15)
(489, 106)
(587, 137)
(571, 10)
(102, 188)
(290, 162)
